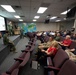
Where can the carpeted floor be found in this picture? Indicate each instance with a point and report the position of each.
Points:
(27, 69)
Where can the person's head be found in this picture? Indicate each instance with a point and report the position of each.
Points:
(65, 33)
(58, 34)
(55, 44)
(51, 38)
(67, 37)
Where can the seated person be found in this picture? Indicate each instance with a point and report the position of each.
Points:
(71, 55)
(39, 34)
(48, 44)
(57, 38)
(66, 42)
(51, 51)
(6, 41)
(64, 34)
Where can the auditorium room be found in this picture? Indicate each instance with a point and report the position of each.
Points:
(37, 37)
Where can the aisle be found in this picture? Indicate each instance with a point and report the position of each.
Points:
(27, 70)
(10, 58)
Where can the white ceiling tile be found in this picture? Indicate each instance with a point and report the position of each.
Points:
(29, 8)
(13, 2)
(3, 2)
(24, 3)
(25, 0)
(48, 1)
(37, 0)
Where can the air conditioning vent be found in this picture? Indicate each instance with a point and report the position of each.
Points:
(22, 16)
(17, 7)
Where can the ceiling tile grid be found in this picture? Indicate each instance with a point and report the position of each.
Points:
(29, 8)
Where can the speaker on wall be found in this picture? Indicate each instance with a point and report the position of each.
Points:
(47, 21)
(71, 13)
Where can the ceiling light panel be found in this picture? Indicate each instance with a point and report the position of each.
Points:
(54, 17)
(36, 17)
(42, 9)
(16, 16)
(8, 8)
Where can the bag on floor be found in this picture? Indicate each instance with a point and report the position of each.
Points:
(34, 65)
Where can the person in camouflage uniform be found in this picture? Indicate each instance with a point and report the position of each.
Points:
(6, 41)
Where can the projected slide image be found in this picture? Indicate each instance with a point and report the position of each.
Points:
(2, 24)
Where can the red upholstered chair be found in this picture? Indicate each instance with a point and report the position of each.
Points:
(5, 74)
(22, 55)
(13, 67)
(68, 68)
(73, 45)
(15, 72)
(59, 59)
(25, 60)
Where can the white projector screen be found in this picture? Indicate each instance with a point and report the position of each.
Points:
(2, 24)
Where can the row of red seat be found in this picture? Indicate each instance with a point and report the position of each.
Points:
(22, 59)
(60, 64)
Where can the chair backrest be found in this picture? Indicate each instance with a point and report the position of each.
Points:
(60, 57)
(61, 38)
(46, 38)
(68, 68)
(13, 67)
(22, 55)
(26, 58)
(73, 45)
(15, 72)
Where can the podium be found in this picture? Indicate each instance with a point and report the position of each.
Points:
(17, 31)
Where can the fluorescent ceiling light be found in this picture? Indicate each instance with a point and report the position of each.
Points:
(58, 20)
(65, 12)
(53, 17)
(8, 8)
(16, 16)
(41, 9)
(36, 17)
(34, 20)
(20, 20)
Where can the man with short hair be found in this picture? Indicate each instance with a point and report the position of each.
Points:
(66, 42)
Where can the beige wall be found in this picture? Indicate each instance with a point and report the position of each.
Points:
(66, 25)
(47, 27)
(54, 26)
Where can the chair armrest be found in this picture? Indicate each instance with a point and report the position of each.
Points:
(51, 68)
(25, 50)
(18, 59)
(28, 46)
